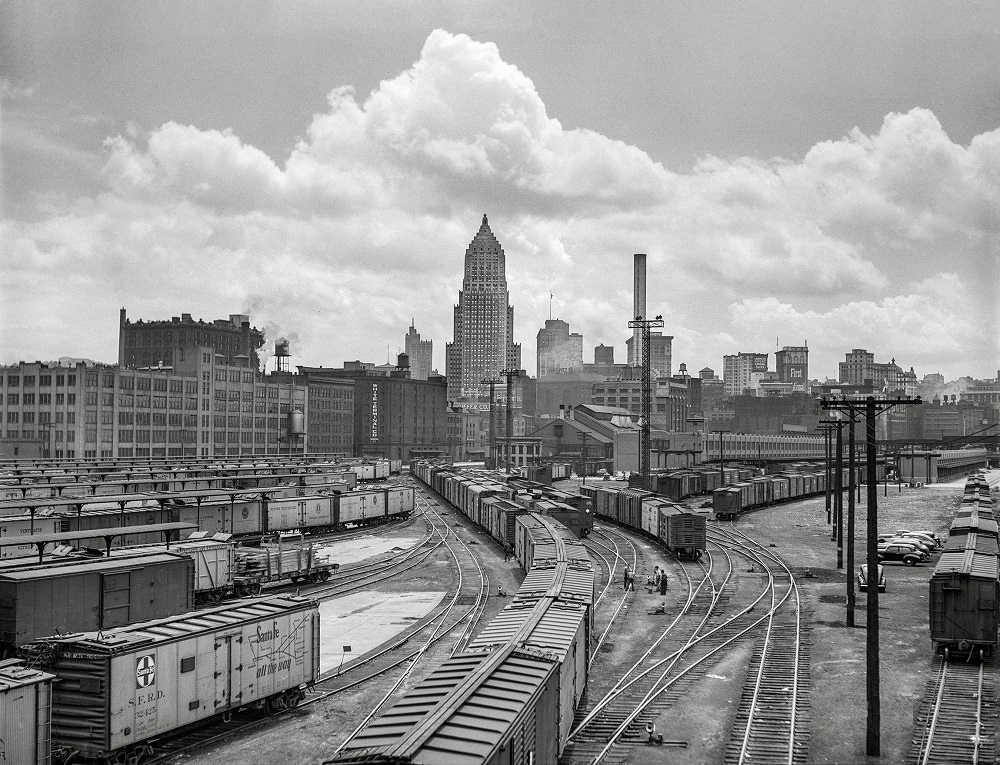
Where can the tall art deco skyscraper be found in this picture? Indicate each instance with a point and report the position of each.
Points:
(484, 322)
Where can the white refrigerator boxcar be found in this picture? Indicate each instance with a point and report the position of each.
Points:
(118, 688)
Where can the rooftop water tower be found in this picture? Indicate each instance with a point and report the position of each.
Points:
(281, 354)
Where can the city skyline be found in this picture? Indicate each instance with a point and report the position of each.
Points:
(799, 173)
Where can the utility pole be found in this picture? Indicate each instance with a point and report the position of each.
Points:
(837, 533)
(583, 452)
(827, 430)
(510, 374)
(851, 480)
(871, 409)
(491, 463)
(647, 407)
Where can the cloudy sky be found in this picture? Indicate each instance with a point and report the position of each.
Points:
(797, 172)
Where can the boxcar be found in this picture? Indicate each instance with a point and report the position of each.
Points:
(299, 513)
(214, 560)
(964, 594)
(580, 522)
(25, 714)
(22, 526)
(520, 696)
(561, 633)
(92, 594)
(137, 683)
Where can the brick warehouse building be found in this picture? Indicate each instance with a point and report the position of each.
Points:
(168, 343)
(394, 416)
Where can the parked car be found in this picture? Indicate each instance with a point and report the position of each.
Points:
(930, 537)
(921, 544)
(863, 578)
(901, 552)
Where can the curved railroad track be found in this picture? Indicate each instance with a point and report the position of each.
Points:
(707, 621)
(425, 645)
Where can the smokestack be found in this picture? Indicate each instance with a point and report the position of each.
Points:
(638, 306)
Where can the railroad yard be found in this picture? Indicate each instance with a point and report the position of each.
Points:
(697, 721)
(741, 652)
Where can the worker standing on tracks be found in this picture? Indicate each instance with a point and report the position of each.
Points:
(663, 582)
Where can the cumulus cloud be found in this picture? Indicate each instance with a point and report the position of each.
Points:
(870, 240)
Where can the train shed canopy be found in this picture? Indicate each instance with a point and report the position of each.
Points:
(108, 535)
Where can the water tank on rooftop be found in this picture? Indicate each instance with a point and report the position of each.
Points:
(296, 423)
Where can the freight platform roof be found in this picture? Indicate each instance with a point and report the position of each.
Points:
(41, 540)
(36, 503)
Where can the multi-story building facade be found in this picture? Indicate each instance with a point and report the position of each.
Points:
(558, 351)
(857, 368)
(669, 400)
(331, 413)
(738, 370)
(792, 366)
(202, 407)
(660, 353)
(483, 344)
(394, 416)
(421, 353)
(985, 393)
(169, 343)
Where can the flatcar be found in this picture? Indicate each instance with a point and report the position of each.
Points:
(135, 684)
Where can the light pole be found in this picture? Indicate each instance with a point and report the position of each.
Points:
(583, 454)
(647, 408)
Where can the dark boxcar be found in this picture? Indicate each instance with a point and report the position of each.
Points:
(963, 599)
(93, 595)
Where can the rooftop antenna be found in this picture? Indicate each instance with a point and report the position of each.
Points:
(550, 306)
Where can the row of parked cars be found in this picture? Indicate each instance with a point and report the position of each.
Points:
(902, 546)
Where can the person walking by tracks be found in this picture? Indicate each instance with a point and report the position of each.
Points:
(629, 579)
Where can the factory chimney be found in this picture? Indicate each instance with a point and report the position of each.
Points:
(638, 307)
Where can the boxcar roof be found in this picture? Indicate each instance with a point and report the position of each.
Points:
(46, 570)
(122, 639)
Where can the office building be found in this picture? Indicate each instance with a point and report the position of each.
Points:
(738, 371)
(483, 345)
(558, 350)
(421, 353)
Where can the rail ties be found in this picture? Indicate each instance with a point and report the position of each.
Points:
(957, 718)
(763, 731)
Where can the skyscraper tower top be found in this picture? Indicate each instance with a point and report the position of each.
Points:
(484, 321)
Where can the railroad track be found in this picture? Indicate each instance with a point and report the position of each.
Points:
(424, 646)
(710, 622)
(958, 716)
(772, 721)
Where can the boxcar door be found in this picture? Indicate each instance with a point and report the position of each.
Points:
(223, 672)
(115, 597)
